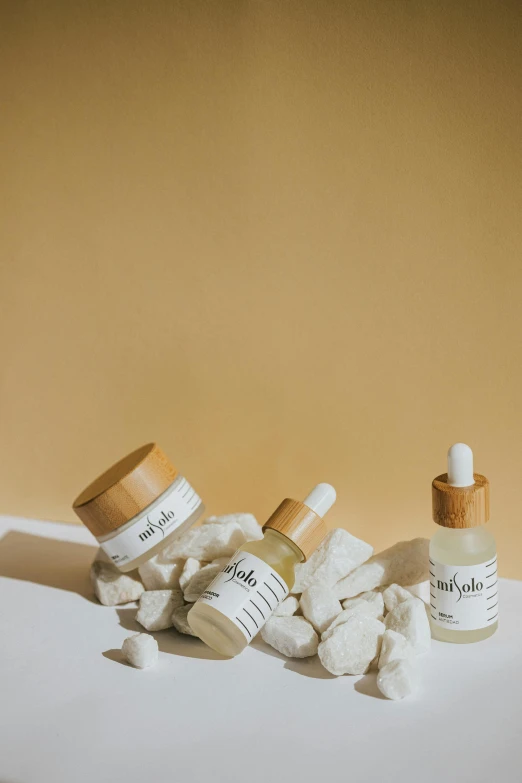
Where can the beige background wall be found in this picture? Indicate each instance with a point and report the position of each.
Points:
(281, 238)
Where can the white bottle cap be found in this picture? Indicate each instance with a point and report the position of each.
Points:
(460, 466)
(321, 499)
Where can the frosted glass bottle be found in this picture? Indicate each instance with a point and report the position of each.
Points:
(463, 558)
(234, 608)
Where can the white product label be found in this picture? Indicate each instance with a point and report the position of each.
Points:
(246, 591)
(150, 527)
(464, 598)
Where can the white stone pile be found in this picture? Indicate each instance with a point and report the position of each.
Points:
(360, 611)
(356, 610)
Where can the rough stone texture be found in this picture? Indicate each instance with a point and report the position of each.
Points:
(291, 636)
(247, 522)
(374, 600)
(111, 587)
(200, 581)
(421, 590)
(215, 539)
(320, 606)
(352, 646)
(156, 608)
(359, 608)
(398, 679)
(410, 619)
(180, 622)
(395, 647)
(286, 608)
(395, 595)
(405, 563)
(190, 568)
(157, 575)
(337, 555)
(140, 650)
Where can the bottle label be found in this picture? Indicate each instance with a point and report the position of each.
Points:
(150, 527)
(246, 591)
(464, 598)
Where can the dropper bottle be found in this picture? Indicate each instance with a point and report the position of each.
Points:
(463, 554)
(260, 575)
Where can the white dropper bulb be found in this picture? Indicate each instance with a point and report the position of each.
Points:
(460, 466)
(321, 499)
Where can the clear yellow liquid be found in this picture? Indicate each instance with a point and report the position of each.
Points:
(218, 631)
(470, 546)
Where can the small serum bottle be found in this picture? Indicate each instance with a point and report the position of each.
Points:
(242, 597)
(463, 555)
(138, 506)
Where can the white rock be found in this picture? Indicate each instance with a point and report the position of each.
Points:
(359, 608)
(398, 679)
(247, 522)
(190, 568)
(395, 647)
(320, 606)
(157, 575)
(180, 622)
(338, 554)
(207, 542)
(140, 650)
(200, 581)
(420, 590)
(374, 601)
(352, 646)
(286, 608)
(410, 619)
(291, 636)
(404, 563)
(112, 587)
(156, 608)
(395, 595)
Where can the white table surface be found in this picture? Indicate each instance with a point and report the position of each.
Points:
(72, 711)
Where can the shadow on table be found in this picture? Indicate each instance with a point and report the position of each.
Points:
(308, 667)
(45, 561)
(169, 641)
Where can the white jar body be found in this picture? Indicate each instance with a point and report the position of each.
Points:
(464, 584)
(150, 531)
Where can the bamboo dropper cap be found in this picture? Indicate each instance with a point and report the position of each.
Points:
(125, 489)
(460, 498)
(302, 522)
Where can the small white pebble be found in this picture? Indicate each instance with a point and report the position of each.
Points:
(410, 619)
(111, 587)
(180, 622)
(156, 607)
(395, 647)
(320, 606)
(291, 636)
(395, 595)
(286, 608)
(398, 679)
(140, 650)
(191, 567)
(157, 575)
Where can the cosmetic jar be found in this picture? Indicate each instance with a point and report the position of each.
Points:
(138, 506)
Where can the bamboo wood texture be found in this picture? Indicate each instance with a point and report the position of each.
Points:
(460, 507)
(298, 523)
(125, 489)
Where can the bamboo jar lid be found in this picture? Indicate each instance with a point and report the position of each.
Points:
(460, 507)
(125, 489)
(300, 524)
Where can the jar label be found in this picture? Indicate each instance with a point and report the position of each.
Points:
(464, 598)
(246, 591)
(150, 527)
